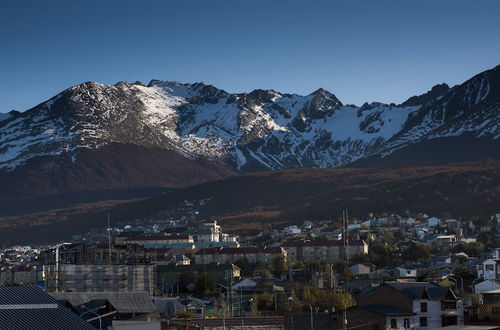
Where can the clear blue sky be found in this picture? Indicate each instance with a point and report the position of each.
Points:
(360, 50)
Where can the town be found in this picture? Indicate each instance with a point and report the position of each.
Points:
(388, 271)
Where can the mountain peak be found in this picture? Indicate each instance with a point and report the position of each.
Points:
(433, 94)
(321, 91)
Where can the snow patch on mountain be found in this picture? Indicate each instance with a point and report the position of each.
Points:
(263, 128)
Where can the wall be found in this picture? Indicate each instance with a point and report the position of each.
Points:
(100, 278)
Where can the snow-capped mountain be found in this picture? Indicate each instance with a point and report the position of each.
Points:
(263, 129)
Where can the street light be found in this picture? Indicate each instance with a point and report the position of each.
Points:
(231, 305)
(93, 311)
(310, 307)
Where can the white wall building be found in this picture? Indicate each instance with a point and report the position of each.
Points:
(490, 270)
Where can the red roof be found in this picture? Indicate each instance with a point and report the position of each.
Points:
(240, 250)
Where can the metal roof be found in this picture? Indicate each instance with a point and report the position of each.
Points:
(31, 308)
(123, 302)
(414, 290)
(12, 295)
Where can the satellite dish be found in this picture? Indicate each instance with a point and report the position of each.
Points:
(170, 310)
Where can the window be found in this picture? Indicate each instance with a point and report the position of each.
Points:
(423, 307)
(406, 323)
(495, 310)
(394, 324)
(423, 321)
(448, 305)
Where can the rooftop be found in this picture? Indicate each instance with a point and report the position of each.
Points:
(386, 310)
(123, 302)
(29, 307)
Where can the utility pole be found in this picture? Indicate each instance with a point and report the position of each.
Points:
(109, 241)
(347, 234)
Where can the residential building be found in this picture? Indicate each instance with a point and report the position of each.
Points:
(167, 276)
(418, 305)
(224, 255)
(403, 272)
(159, 239)
(361, 269)
(323, 250)
(21, 275)
(489, 270)
(203, 235)
(490, 309)
(99, 278)
(97, 254)
(486, 285)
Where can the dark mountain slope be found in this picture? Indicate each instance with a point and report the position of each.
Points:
(255, 201)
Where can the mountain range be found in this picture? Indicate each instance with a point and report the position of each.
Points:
(94, 137)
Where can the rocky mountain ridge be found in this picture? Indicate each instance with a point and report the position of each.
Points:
(260, 130)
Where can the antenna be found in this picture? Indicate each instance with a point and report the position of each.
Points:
(347, 235)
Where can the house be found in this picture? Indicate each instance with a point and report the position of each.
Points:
(495, 254)
(433, 222)
(486, 285)
(194, 306)
(291, 230)
(29, 307)
(178, 259)
(490, 309)
(421, 305)
(361, 269)
(403, 272)
(388, 317)
(446, 239)
(489, 270)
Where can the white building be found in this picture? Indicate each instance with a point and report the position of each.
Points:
(403, 272)
(433, 222)
(414, 305)
(490, 270)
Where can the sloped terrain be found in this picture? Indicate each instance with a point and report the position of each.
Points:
(251, 202)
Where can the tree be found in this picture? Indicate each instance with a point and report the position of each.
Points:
(473, 249)
(246, 267)
(417, 252)
(466, 274)
(205, 284)
(388, 237)
(187, 278)
(280, 265)
(264, 301)
(339, 266)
